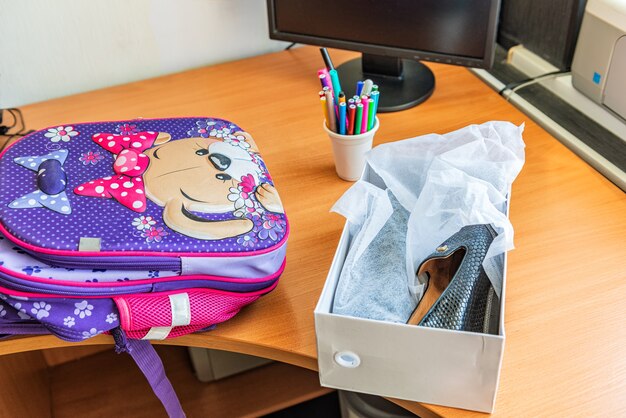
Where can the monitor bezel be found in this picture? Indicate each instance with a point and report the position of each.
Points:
(485, 62)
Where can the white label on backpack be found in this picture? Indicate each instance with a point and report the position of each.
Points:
(181, 315)
(89, 244)
(157, 333)
(181, 310)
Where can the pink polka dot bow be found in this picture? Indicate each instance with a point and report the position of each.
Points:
(126, 186)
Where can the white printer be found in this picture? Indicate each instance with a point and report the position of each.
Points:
(599, 67)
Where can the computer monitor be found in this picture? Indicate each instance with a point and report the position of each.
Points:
(393, 35)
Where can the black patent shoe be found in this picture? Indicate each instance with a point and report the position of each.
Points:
(459, 295)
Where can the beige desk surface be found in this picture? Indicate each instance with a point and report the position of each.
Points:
(565, 352)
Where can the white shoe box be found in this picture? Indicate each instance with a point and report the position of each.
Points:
(437, 366)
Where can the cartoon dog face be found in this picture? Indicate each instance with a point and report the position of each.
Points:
(196, 174)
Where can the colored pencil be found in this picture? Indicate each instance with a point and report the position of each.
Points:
(367, 87)
(322, 71)
(376, 97)
(370, 114)
(359, 87)
(340, 99)
(364, 99)
(365, 103)
(351, 115)
(358, 119)
(334, 78)
(342, 118)
(332, 118)
(325, 80)
(325, 110)
(326, 58)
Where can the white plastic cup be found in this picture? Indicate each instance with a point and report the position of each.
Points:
(349, 151)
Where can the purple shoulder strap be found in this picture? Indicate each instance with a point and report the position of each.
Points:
(152, 367)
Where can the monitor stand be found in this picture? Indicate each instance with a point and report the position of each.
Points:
(402, 83)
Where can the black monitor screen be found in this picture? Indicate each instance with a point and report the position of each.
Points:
(449, 27)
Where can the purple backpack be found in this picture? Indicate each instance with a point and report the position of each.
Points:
(144, 229)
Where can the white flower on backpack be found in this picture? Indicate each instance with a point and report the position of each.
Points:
(236, 141)
(91, 333)
(21, 312)
(112, 317)
(41, 309)
(220, 133)
(83, 309)
(69, 321)
(143, 222)
(2, 311)
(61, 133)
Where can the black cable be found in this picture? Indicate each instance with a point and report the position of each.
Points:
(291, 45)
(18, 120)
(4, 128)
(514, 84)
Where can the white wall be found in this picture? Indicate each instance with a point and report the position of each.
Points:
(56, 48)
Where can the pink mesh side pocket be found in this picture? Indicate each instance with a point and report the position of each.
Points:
(175, 332)
(187, 311)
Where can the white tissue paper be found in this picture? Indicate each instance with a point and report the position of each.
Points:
(446, 182)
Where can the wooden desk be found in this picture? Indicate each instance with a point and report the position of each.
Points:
(566, 297)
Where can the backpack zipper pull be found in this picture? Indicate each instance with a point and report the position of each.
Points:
(121, 343)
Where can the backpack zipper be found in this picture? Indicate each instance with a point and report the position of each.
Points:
(129, 287)
(117, 262)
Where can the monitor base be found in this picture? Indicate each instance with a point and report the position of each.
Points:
(414, 86)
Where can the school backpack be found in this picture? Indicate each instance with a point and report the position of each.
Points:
(143, 229)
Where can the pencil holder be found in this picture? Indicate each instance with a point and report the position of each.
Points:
(349, 151)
